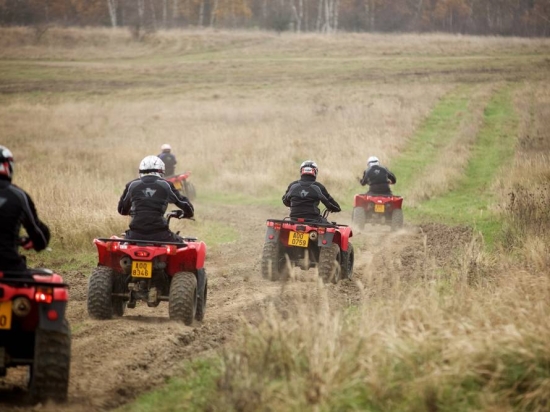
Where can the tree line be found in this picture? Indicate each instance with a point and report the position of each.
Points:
(486, 17)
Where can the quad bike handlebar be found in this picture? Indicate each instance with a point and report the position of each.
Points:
(177, 214)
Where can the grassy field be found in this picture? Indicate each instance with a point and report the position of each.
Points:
(462, 121)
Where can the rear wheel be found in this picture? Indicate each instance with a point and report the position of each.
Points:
(190, 191)
(330, 269)
(182, 305)
(359, 218)
(396, 219)
(274, 264)
(49, 373)
(348, 259)
(100, 289)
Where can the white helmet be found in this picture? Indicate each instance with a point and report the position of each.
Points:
(151, 165)
(373, 161)
(166, 147)
(6, 162)
(309, 167)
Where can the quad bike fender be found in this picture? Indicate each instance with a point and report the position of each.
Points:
(272, 235)
(360, 200)
(325, 239)
(189, 258)
(345, 233)
(47, 320)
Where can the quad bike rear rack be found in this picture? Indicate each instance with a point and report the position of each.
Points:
(24, 277)
(148, 242)
(306, 222)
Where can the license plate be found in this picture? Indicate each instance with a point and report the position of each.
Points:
(5, 315)
(379, 208)
(177, 185)
(298, 239)
(142, 269)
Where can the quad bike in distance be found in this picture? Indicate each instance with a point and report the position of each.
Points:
(307, 244)
(34, 331)
(377, 210)
(181, 182)
(131, 270)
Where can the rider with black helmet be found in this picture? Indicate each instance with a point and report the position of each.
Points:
(16, 209)
(303, 196)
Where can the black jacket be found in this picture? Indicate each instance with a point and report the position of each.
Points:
(16, 209)
(377, 177)
(146, 200)
(169, 163)
(303, 197)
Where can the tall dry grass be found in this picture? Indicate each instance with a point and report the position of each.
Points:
(75, 157)
(433, 344)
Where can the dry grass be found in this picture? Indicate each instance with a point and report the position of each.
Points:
(416, 349)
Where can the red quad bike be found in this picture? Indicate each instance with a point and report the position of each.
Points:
(182, 183)
(151, 271)
(34, 331)
(307, 244)
(377, 209)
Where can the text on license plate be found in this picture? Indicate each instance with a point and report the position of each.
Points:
(5, 315)
(298, 239)
(142, 269)
(379, 208)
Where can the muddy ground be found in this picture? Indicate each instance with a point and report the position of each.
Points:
(114, 361)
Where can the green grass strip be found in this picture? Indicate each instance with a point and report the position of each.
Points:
(470, 202)
(190, 392)
(432, 136)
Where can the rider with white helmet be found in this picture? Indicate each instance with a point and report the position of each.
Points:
(168, 158)
(146, 200)
(303, 196)
(16, 209)
(377, 177)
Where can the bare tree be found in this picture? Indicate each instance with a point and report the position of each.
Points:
(112, 5)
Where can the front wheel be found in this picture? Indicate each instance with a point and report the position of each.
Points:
(330, 269)
(182, 305)
(49, 373)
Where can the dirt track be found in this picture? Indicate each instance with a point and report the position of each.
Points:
(114, 361)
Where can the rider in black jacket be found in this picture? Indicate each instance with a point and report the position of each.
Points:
(168, 159)
(377, 177)
(146, 200)
(303, 196)
(16, 209)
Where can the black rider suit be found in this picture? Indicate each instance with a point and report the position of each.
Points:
(377, 178)
(303, 197)
(16, 209)
(170, 162)
(146, 200)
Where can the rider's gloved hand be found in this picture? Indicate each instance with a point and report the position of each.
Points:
(335, 210)
(180, 214)
(27, 244)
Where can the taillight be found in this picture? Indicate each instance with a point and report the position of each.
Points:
(277, 226)
(171, 249)
(43, 295)
(321, 230)
(141, 253)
